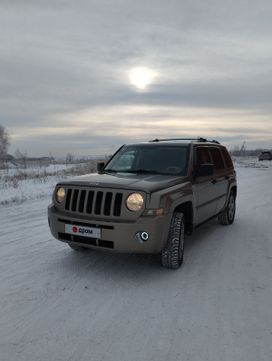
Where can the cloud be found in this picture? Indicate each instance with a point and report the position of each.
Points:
(90, 130)
(65, 59)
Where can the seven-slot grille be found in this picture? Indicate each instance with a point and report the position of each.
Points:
(95, 202)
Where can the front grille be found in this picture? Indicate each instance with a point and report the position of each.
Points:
(86, 240)
(93, 202)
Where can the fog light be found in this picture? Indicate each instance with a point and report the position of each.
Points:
(142, 236)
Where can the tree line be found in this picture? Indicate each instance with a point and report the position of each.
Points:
(4, 141)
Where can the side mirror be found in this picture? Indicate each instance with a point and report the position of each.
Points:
(204, 170)
(100, 166)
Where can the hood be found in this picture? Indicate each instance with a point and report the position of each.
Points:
(144, 182)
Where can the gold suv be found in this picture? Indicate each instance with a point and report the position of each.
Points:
(146, 198)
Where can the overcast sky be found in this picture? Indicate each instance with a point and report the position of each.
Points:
(65, 66)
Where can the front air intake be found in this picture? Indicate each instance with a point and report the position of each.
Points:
(93, 202)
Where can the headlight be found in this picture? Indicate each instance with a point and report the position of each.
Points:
(135, 202)
(60, 195)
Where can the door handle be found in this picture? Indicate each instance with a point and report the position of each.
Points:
(214, 181)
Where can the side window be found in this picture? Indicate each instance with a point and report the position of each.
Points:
(227, 158)
(217, 158)
(202, 156)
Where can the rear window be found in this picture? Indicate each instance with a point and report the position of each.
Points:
(202, 156)
(217, 158)
(227, 158)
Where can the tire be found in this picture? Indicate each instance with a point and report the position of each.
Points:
(227, 216)
(172, 254)
(77, 248)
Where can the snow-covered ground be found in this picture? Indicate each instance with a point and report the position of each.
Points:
(20, 185)
(51, 168)
(56, 304)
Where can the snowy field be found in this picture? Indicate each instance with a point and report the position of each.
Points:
(20, 185)
(58, 305)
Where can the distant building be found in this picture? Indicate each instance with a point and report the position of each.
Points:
(265, 155)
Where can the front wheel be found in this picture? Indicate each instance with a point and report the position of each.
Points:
(228, 214)
(172, 254)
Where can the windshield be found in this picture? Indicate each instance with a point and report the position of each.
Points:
(155, 159)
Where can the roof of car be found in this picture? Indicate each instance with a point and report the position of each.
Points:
(183, 141)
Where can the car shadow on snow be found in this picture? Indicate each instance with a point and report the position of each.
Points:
(135, 266)
(109, 264)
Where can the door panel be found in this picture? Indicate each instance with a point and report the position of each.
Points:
(221, 190)
(220, 178)
(204, 187)
(205, 199)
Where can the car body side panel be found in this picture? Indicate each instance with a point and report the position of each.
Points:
(232, 183)
(205, 199)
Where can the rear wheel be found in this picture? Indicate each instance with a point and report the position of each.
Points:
(172, 254)
(228, 214)
(77, 248)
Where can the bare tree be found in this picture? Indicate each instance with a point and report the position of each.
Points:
(18, 154)
(4, 141)
(69, 158)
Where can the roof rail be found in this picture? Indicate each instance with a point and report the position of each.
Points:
(199, 139)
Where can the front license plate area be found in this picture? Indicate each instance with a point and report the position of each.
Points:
(90, 232)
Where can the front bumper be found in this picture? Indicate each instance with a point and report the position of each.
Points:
(117, 236)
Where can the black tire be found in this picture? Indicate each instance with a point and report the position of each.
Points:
(77, 248)
(228, 214)
(172, 254)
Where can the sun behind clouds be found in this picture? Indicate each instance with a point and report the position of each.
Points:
(141, 77)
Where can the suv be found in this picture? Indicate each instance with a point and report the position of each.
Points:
(146, 198)
(265, 155)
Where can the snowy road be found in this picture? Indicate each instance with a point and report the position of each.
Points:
(58, 305)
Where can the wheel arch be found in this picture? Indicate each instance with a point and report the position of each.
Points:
(187, 209)
(234, 190)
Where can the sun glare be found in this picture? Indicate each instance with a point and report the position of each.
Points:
(141, 77)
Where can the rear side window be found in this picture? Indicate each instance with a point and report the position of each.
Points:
(227, 158)
(217, 158)
(202, 156)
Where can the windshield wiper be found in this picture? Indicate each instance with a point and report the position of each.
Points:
(109, 171)
(116, 171)
(143, 171)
